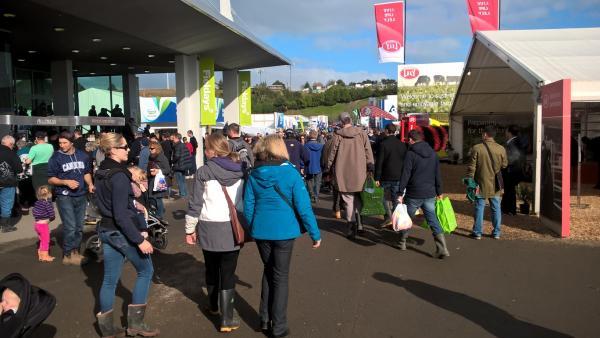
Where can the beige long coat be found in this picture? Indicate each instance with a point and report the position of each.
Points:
(348, 158)
(480, 167)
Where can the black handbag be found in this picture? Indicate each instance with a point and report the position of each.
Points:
(498, 179)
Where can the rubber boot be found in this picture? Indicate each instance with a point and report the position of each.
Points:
(441, 250)
(135, 322)
(107, 327)
(226, 302)
(402, 241)
(359, 226)
(213, 299)
(5, 225)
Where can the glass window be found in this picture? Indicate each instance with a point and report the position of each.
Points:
(116, 86)
(93, 91)
(24, 93)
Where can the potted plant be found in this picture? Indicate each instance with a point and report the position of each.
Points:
(525, 194)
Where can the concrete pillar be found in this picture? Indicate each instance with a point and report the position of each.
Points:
(6, 82)
(230, 96)
(225, 9)
(456, 134)
(131, 97)
(62, 87)
(187, 79)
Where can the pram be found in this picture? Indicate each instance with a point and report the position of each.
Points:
(157, 233)
(36, 305)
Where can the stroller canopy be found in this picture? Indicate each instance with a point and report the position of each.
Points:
(36, 305)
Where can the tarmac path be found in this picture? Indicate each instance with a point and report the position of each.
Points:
(365, 288)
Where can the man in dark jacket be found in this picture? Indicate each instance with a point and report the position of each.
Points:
(167, 147)
(182, 162)
(388, 168)
(295, 150)
(514, 171)
(312, 165)
(240, 146)
(422, 179)
(10, 167)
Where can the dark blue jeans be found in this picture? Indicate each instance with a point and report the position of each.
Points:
(428, 207)
(313, 182)
(7, 200)
(393, 188)
(72, 214)
(276, 257)
(116, 248)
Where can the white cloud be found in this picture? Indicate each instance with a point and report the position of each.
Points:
(301, 75)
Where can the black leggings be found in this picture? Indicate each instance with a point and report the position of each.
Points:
(220, 268)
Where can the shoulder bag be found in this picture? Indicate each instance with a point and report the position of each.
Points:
(298, 218)
(239, 234)
(498, 180)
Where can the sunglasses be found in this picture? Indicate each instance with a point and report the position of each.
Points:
(152, 148)
(123, 147)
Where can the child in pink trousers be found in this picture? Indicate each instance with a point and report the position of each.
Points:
(43, 213)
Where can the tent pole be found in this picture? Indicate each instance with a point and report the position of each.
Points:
(537, 132)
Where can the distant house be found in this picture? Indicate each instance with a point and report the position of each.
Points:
(306, 90)
(317, 87)
(358, 85)
(276, 88)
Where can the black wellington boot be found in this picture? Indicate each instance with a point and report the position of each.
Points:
(226, 303)
(135, 322)
(107, 326)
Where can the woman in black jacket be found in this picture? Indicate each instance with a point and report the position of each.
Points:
(121, 237)
(157, 162)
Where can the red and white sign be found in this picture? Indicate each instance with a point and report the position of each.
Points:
(390, 18)
(555, 201)
(429, 74)
(484, 15)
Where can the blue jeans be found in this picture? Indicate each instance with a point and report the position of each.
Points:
(313, 181)
(428, 207)
(496, 215)
(394, 190)
(72, 214)
(7, 200)
(116, 248)
(179, 176)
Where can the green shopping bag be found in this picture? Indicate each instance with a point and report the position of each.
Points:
(372, 199)
(445, 214)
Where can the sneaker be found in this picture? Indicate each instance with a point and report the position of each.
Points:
(496, 236)
(337, 214)
(474, 236)
(400, 245)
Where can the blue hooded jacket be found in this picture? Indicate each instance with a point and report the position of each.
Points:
(312, 157)
(269, 217)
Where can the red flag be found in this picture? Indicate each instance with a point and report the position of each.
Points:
(389, 18)
(484, 15)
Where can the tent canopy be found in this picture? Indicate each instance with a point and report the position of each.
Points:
(505, 69)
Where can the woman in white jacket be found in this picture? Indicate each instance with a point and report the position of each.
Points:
(209, 225)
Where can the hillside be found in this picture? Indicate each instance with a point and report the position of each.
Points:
(332, 111)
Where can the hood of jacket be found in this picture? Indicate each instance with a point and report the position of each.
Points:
(313, 145)
(267, 174)
(422, 149)
(224, 170)
(108, 165)
(349, 132)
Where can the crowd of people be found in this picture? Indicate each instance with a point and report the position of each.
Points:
(265, 178)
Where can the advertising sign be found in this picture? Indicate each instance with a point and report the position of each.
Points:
(279, 120)
(390, 24)
(555, 201)
(484, 15)
(220, 110)
(428, 88)
(208, 111)
(158, 109)
(245, 98)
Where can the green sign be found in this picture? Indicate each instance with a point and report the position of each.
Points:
(245, 98)
(208, 109)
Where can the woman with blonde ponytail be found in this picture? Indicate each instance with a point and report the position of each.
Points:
(207, 223)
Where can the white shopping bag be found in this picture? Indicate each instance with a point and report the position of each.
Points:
(400, 218)
(160, 182)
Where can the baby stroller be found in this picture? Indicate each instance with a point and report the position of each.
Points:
(157, 234)
(35, 306)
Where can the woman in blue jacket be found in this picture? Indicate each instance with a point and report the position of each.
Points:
(275, 203)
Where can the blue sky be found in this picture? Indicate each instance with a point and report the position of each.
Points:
(336, 39)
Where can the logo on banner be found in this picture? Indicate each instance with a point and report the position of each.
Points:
(391, 46)
(409, 73)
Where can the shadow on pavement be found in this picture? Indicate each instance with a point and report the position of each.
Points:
(178, 270)
(493, 319)
(45, 331)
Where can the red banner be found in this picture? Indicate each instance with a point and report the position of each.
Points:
(390, 19)
(555, 201)
(484, 15)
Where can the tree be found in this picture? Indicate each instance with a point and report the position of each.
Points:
(340, 83)
(330, 83)
(306, 85)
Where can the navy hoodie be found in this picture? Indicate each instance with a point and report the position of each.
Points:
(312, 157)
(421, 174)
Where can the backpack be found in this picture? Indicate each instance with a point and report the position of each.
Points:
(240, 148)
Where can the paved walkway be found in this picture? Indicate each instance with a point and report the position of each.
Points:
(364, 288)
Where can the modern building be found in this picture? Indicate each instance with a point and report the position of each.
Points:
(53, 49)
